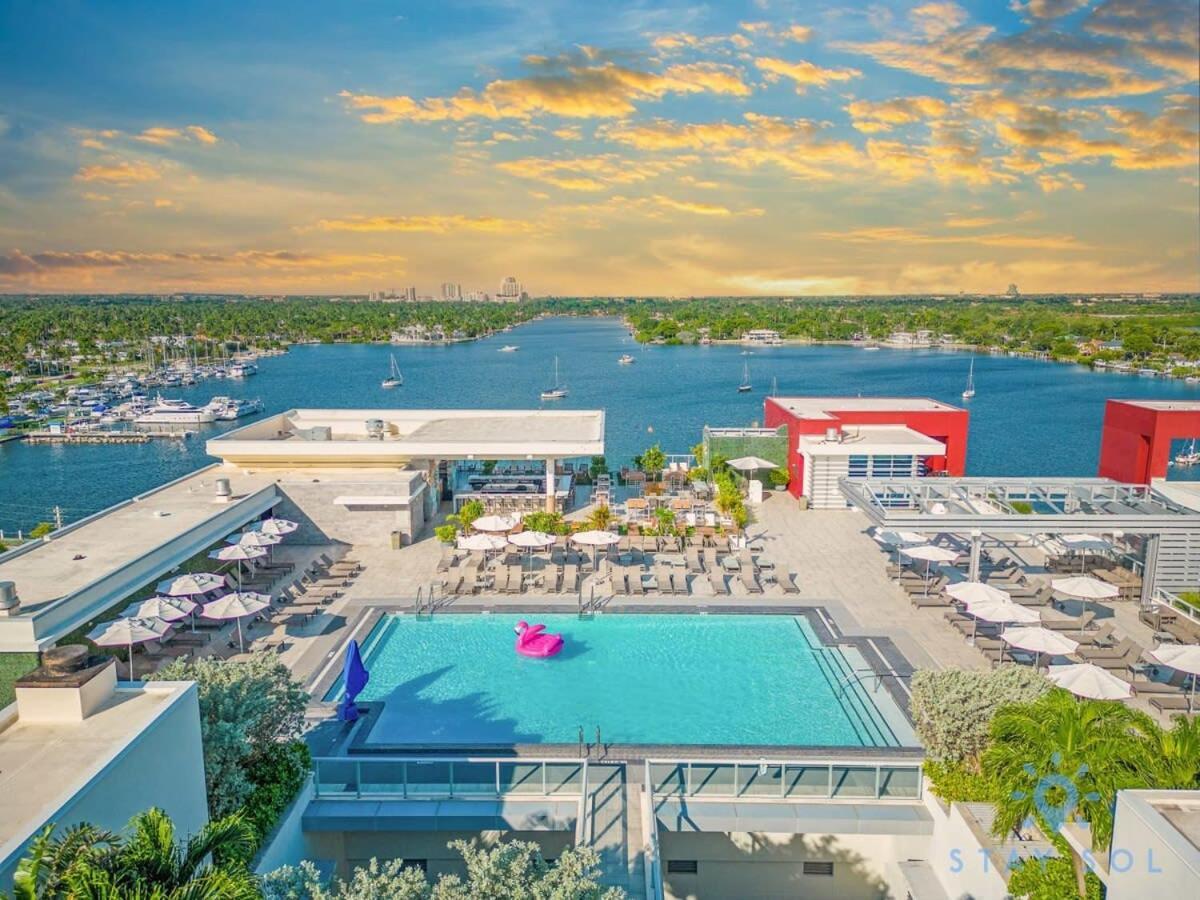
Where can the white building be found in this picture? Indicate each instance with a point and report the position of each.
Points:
(478, 296)
(77, 746)
(451, 291)
(510, 289)
(1156, 846)
(861, 451)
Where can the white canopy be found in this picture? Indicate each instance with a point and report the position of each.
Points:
(971, 592)
(276, 527)
(193, 583)
(255, 539)
(596, 538)
(751, 464)
(1084, 587)
(494, 523)
(1087, 680)
(483, 542)
(1039, 640)
(900, 538)
(235, 605)
(126, 633)
(930, 553)
(237, 553)
(1182, 657)
(169, 609)
(1003, 612)
(1085, 542)
(531, 540)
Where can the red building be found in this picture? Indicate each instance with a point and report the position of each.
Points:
(1135, 445)
(881, 437)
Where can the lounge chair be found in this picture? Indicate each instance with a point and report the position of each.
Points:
(1121, 663)
(515, 580)
(1091, 654)
(570, 578)
(710, 559)
(933, 601)
(785, 579)
(749, 582)
(1177, 684)
(1080, 623)
(1175, 703)
(746, 561)
(717, 580)
(636, 587)
(679, 583)
(693, 561)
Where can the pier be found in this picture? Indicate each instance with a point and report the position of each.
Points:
(101, 437)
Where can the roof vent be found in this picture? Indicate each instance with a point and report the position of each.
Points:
(9, 601)
(833, 435)
(375, 429)
(224, 491)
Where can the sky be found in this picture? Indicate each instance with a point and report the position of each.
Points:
(599, 148)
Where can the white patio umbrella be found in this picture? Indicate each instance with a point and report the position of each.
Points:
(253, 539)
(930, 554)
(1085, 587)
(192, 583)
(169, 609)
(751, 464)
(901, 538)
(126, 633)
(596, 540)
(1003, 612)
(1090, 681)
(485, 542)
(970, 592)
(1082, 543)
(1182, 658)
(1038, 640)
(494, 523)
(530, 541)
(276, 527)
(238, 553)
(236, 605)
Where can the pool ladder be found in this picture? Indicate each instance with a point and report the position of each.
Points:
(587, 607)
(425, 603)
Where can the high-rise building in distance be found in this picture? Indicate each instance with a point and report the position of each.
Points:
(451, 291)
(510, 289)
(410, 294)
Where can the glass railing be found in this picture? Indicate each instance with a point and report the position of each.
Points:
(774, 780)
(376, 777)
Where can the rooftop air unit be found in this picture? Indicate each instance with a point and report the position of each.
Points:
(375, 429)
(9, 602)
(833, 435)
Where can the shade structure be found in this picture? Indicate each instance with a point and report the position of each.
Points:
(168, 609)
(1000, 612)
(1039, 640)
(485, 542)
(930, 554)
(126, 633)
(495, 524)
(272, 526)
(258, 539)
(236, 605)
(901, 538)
(970, 592)
(531, 540)
(238, 553)
(1087, 680)
(1085, 542)
(751, 464)
(193, 583)
(1182, 658)
(354, 678)
(1084, 587)
(596, 540)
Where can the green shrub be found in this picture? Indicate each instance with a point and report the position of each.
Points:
(277, 773)
(952, 709)
(779, 478)
(40, 530)
(446, 533)
(549, 522)
(954, 782)
(1050, 878)
(1022, 507)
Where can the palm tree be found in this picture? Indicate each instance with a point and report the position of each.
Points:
(1058, 759)
(1174, 754)
(46, 869)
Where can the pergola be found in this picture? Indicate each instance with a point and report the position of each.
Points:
(974, 506)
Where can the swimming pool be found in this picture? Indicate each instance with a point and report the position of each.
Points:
(642, 679)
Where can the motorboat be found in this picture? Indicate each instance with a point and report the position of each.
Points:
(175, 412)
(242, 370)
(394, 379)
(509, 348)
(228, 409)
(558, 391)
(625, 360)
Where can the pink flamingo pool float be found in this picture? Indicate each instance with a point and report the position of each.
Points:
(533, 641)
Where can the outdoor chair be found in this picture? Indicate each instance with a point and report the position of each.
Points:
(636, 587)
(1080, 623)
(710, 559)
(749, 582)
(1174, 703)
(731, 564)
(570, 578)
(933, 601)
(1178, 683)
(1095, 654)
(679, 583)
(717, 580)
(1121, 663)
(785, 579)
(693, 561)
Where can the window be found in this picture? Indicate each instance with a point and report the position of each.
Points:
(683, 867)
(818, 868)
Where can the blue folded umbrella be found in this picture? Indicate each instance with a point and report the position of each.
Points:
(355, 677)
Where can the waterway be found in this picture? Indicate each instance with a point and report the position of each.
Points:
(1028, 417)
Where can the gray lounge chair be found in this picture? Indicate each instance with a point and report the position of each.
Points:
(717, 580)
(693, 561)
(1079, 623)
(749, 582)
(636, 587)
(785, 579)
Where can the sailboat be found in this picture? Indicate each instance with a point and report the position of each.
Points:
(394, 379)
(970, 391)
(558, 391)
(745, 386)
(1189, 458)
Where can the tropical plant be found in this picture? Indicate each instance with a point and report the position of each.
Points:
(149, 863)
(1050, 878)
(779, 478)
(467, 513)
(1059, 758)
(246, 708)
(509, 870)
(601, 518)
(653, 461)
(40, 530)
(1173, 754)
(952, 709)
(277, 772)
(547, 522)
(446, 533)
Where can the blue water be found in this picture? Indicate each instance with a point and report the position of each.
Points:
(643, 679)
(1029, 417)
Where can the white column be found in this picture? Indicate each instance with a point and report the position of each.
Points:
(550, 484)
(976, 539)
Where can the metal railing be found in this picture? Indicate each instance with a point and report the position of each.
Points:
(436, 777)
(816, 779)
(1177, 604)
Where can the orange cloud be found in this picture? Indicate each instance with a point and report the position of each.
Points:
(123, 172)
(871, 117)
(899, 235)
(588, 173)
(803, 73)
(435, 224)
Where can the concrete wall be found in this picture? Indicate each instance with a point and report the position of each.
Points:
(163, 766)
(743, 866)
(1149, 857)
(309, 502)
(349, 849)
(957, 857)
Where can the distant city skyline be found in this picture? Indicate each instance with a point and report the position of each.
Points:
(757, 147)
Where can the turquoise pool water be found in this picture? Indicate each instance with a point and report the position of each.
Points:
(642, 679)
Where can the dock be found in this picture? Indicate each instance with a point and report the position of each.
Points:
(101, 437)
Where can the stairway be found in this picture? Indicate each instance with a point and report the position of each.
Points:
(614, 827)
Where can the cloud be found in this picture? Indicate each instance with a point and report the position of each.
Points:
(568, 133)
(658, 206)
(1046, 9)
(201, 134)
(19, 263)
(122, 172)
(574, 90)
(875, 116)
(900, 235)
(1058, 181)
(588, 173)
(434, 224)
(162, 136)
(803, 73)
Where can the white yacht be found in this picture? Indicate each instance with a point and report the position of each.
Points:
(394, 379)
(228, 408)
(509, 348)
(558, 391)
(242, 370)
(175, 412)
(625, 359)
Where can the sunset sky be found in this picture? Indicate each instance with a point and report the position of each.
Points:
(599, 147)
